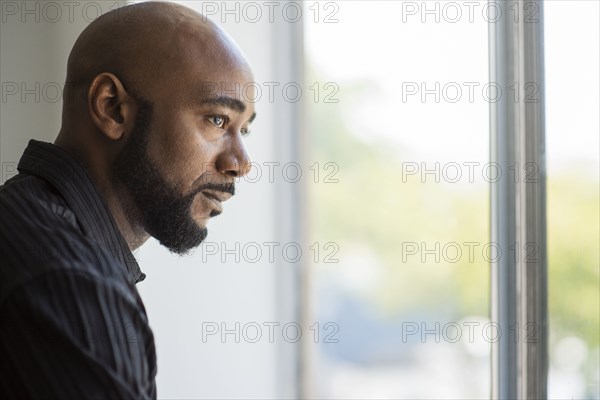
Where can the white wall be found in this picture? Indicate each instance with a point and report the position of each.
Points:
(181, 294)
(33, 57)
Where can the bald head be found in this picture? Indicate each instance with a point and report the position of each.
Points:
(144, 44)
(165, 97)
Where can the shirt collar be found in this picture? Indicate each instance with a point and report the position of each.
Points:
(68, 176)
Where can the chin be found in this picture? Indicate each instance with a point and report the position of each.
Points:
(183, 245)
(200, 218)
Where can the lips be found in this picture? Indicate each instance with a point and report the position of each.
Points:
(217, 195)
(215, 198)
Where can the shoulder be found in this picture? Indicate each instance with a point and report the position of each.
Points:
(28, 198)
(39, 233)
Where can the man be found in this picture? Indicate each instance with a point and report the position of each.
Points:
(150, 145)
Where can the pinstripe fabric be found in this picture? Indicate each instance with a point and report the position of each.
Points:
(72, 324)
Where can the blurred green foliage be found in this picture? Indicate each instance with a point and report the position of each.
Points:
(573, 255)
(370, 205)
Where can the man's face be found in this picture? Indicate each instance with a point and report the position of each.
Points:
(183, 156)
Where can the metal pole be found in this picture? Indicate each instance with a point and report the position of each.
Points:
(518, 200)
(290, 209)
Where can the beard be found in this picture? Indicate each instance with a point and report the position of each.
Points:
(164, 212)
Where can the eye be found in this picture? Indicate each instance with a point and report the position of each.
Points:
(245, 131)
(218, 120)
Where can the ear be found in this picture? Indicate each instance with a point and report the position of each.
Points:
(111, 108)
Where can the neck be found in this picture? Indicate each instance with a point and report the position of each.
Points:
(119, 203)
(122, 210)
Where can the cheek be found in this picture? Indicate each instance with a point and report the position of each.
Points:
(181, 152)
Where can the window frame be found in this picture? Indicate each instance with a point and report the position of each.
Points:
(518, 206)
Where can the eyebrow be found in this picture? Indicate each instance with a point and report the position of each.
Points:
(229, 102)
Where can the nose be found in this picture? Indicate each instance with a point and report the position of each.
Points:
(234, 160)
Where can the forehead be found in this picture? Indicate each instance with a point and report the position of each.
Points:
(192, 83)
(202, 62)
(231, 93)
(220, 85)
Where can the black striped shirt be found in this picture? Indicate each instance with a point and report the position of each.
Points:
(72, 324)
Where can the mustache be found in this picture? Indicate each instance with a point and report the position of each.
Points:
(228, 187)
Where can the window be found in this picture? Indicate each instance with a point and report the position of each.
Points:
(400, 132)
(572, 126)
